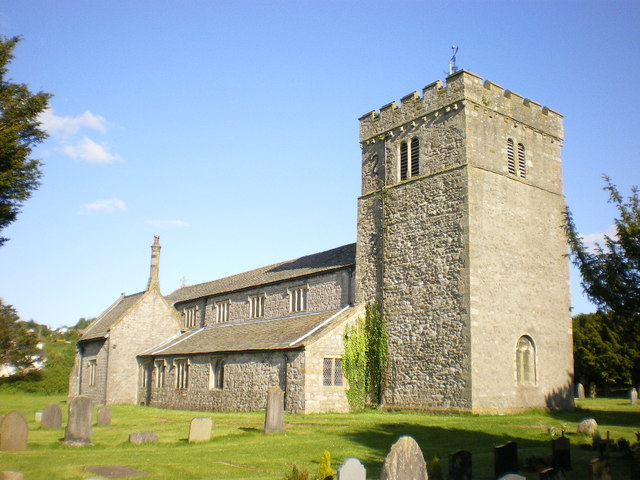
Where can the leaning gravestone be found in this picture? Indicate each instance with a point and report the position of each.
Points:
(580, 391)
(633, 396)
(78, 431)
(274, 416)
(459, 465)
(600, 470)
(139, 438)
(200, 429)
(104, 416)
(51, 417)
(404, 462)
(351, 469)
(561, 453)
(505, 459)
(13, 432)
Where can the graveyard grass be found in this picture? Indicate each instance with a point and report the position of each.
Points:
(239, 450)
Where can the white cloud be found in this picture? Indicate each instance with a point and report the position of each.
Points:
(167, 223)
(56, 125)
(89, 151)
(110, 205)
(590, 240)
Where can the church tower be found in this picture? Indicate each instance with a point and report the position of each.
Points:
(460, 239)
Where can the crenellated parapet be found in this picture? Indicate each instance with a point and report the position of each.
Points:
(463, 90)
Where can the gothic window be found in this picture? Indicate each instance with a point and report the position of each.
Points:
(161, 367)
(332, 372)
(298, 299)
(222, 311)
(181, 367)
(522, 166)
(415, 157)
(144, 375)
(190, 317)
(409, 159)
(92, 372)
(256, 306)
(526, 361)
(511, 163)
(216, 374)
(404, 161)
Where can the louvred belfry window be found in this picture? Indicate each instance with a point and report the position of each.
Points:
(404, 161)
(511, 163)
(522, 165)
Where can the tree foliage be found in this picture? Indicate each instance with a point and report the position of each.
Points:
(17, 344)
(20, 132)
(611, 273)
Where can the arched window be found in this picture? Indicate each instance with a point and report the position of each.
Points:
(415, 157)
(511, 163)
(526, 361)
(522, 166)
(404, 161)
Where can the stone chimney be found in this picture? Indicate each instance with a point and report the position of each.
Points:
(154, 282)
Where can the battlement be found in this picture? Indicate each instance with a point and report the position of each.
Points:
(462, 90)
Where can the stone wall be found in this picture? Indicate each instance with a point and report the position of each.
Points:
(149, 322)
(98, 351)
(247, 376)
(328, 291)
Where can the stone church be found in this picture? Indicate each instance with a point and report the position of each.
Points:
(460, 239)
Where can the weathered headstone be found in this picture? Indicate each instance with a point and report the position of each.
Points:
(512, 476)
(561, 453)
(588, 426)
(552, 474)
(505, 459)
(104, 416)
(404, 462)
(200, 429)
(139, 438)
(351, 469)
(52, 417)
(6, 475)
(459, 465)
(633, 396)
(78, 431)
(13, 432)
(38, 417)
(592, 390)
(600, 470)
(580, 391)
(274, 416)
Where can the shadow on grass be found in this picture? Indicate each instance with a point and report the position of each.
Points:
(603, 417)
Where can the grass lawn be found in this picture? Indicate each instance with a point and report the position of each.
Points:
(238, 449)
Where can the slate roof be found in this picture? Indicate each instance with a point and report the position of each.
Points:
(101, 325)
(273, 334)
(333, 259)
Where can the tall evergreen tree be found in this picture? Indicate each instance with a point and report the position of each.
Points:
(19, 132)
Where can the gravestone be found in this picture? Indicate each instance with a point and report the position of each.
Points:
(38, 417)
(512, 476)
(104, 416)
(139, 438)
(52, 417)
(600, 470)
(561, 453)
(580, 391)
(274, 416)
(404, 462)
(588, 426)
(592, 390)
(351, 469)
(459, 465)
(78, 431)
(505, 459)
(13, 432)
(633, 396)
(552, 474)
(200, 429)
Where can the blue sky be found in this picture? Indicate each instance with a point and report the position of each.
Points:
(230, 127)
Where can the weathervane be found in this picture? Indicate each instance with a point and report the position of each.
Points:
(452, 63)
